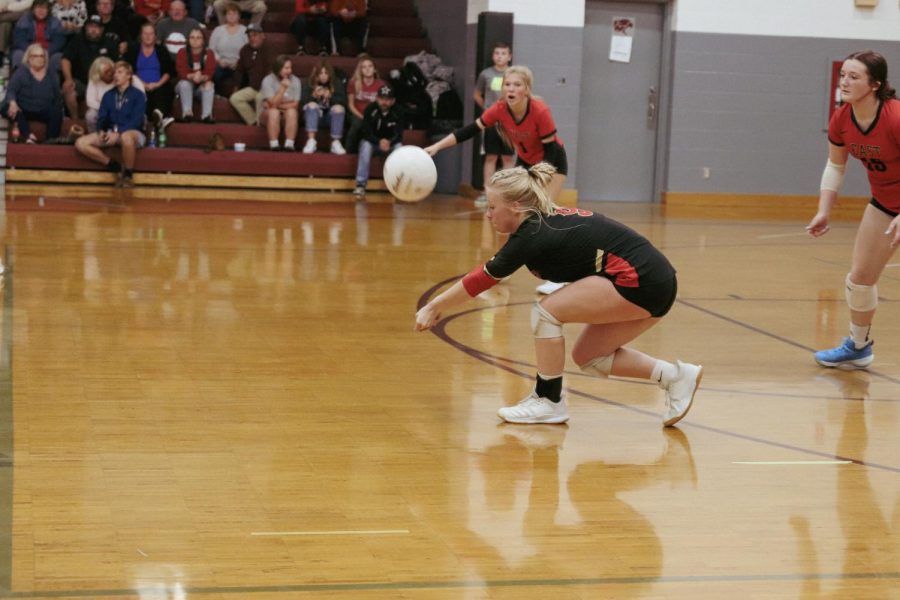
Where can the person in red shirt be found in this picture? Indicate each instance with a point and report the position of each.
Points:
(620, 286)
(526, 124)
(196, 64)
(866, 126)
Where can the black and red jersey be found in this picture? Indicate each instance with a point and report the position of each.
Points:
(525, 135)
(574, 243)
(877, 147)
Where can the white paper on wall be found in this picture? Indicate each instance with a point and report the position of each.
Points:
(620, 42)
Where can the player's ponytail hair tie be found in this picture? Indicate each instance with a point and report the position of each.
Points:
(878, 72)
(528, 187)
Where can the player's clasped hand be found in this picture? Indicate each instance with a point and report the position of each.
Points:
(426, 317)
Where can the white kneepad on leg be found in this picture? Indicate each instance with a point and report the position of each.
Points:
(602, 365)
(543, 324)
(861, 298)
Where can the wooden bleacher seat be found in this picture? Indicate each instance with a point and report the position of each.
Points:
(395, 32)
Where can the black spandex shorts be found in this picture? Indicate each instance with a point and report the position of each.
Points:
(562, 168)
(882, 208)
(494, 144)
(655, 298)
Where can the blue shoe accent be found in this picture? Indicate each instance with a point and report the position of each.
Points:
(847, 356)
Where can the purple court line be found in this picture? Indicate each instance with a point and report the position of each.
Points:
(440, 331)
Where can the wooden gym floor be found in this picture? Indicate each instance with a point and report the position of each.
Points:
(226, 400)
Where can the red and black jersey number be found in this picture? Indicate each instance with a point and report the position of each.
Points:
(567, 212)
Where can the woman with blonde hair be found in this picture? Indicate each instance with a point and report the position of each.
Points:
(525, 123)
(362, 90)
(100, 81)
(619, 286)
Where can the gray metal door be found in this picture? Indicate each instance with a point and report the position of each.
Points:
(619, 105)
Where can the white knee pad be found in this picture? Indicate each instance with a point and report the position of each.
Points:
(861, 298)
(543, 324)
(602, 365)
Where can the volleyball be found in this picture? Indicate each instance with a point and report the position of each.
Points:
(410, 173)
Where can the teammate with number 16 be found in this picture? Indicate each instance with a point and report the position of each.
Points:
(619, 285)
(867, 126)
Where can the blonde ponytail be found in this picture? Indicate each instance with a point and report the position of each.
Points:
(527, 186)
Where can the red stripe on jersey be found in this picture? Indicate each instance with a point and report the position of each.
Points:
(624, 274)
(477, 281)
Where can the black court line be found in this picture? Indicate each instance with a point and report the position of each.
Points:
(464, 584)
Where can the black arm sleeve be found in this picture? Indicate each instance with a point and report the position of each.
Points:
(466, 133)
(552, 152)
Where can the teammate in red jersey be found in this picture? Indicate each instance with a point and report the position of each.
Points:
(526, 124)
(867, 127)
(620, 286)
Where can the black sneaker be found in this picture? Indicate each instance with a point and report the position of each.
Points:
(209, 120)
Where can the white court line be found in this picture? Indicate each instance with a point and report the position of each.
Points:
(780, 235)
(338, 532)
(892, 266)
(468, 212)
(792, 462)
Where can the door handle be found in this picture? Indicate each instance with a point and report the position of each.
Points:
(652, 102)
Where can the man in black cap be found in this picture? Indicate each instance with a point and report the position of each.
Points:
(382, 132)
(78, 56)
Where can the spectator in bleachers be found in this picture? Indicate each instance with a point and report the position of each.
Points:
(71, 13)
(323, 101)
(39, 27)
(254, 63)
(361, 91)
(256, 8)
(382, 133)
(348, 19)
(281, 91)
(153, 66)
(115, 27)
(100, 81)
(77, 59)
(10, 12)
(173, 30)
(226, 42)
(33, 94)
(312, 17)
(196, 65)
(120, 122)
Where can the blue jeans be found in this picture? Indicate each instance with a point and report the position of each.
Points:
(313, 116)
(366, 150)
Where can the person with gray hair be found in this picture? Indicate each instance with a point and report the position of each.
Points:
(619, 287)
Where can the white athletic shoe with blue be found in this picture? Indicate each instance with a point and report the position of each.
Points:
(534, 409)
(847, 355)
(680, 392)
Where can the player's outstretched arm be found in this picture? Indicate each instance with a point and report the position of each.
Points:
(428, 315)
